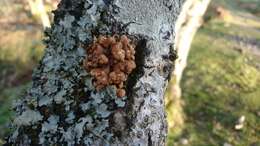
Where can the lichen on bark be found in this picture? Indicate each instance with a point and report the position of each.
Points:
(69, 111)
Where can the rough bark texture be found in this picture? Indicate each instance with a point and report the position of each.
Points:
(63, 108)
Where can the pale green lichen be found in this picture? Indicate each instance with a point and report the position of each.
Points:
(62, 88)
(28, 117)
(51, 124)
(80, 127)
(60, 96)
(44, 100)
(102, 110)
(70, 118)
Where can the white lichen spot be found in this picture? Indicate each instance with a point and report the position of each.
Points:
(28, 117)
(102, 111)
(119, 102)
(79, 127)
(44, 100)
(68, 136)
(97, 98)
(51, 125)
(59, 97)
(70, 118)
(67, 22)
(85, 106)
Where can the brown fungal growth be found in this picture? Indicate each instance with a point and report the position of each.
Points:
(110, 59)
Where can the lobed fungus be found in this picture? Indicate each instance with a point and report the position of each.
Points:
(110, 59)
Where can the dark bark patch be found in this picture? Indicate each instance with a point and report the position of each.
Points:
(76, 9)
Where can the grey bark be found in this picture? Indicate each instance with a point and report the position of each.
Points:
(63, 108)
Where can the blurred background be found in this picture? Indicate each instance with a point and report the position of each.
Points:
(21, 32)
(220, 102)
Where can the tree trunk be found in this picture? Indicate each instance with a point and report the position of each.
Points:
(191, 18)
(64, 108)
(189, 21)
(38, 9)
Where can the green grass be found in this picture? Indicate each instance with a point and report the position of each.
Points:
(220, 84)
(251, 6)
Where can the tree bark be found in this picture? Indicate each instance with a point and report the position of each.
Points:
(191, 18)
(189, 21)
(63, 108)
